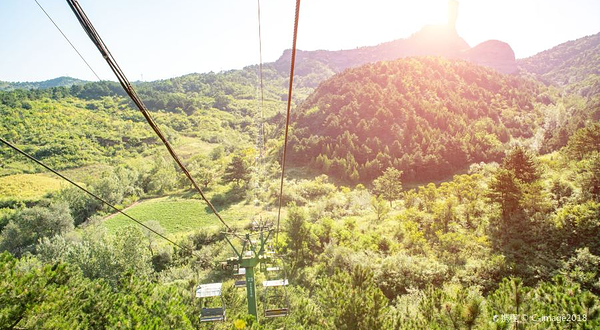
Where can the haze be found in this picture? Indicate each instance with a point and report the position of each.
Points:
(154, 39)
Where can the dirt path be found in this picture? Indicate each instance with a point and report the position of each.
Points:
(125, 209)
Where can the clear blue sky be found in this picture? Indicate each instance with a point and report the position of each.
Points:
(167, 38)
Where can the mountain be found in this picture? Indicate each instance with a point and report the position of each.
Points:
(56, 82)
(436, 40)
(428, 117)
(494, 54)
(431, 40)
(568, 63)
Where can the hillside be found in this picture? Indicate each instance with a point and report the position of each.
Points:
(56, 82)
(95, 123)
(428, 117)
(570, 62)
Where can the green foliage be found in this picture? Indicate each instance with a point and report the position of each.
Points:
(426, 117)
(566, 63)
(583, 268)
(584, 142)
(402, 273)
(506, 191)
(238, 170)
(27, 186)
(589, 177)
(162, 177)
(27, 227)
(359, 303)
(580, 226)
(389, 185)
(298, 234)
(98, 255)
(67, 134)
(380, 207)
(56, 296)
(522, 164)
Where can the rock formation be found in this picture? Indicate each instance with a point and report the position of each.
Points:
(437, 40)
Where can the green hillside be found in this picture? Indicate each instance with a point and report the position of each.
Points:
(567, 63)
(427, 117)
(56, 82)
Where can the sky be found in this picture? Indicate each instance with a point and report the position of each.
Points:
(159, 39)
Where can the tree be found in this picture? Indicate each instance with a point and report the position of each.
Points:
(298, 234)
(57, 296)
(522, 164)
(82, 205)
(28, 226)
(389, 185)
(238, 170)
(583, 268)
(151, 235)
(586, 140)
(505, 190)
(589, 177)
(354, 300)
(203, 170)
(380, 207)
(99, 255)
(162, 177)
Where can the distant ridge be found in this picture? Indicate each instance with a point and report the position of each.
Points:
(570, 62)
(56, 82)
(432, 40)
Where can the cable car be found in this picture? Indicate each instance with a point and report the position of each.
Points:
(276, 299)
(210, 292)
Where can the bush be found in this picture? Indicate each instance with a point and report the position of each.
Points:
(27, 227)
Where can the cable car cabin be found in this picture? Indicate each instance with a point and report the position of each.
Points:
(276, 299)
(240, 281)
(209, 293)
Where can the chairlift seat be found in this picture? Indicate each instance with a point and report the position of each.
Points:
(273, 283)
(209, 290)
(272, 269)
(240, 284)
(212, 314)
(277, 312)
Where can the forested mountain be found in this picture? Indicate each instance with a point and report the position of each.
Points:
(567, 63)
(56, 82)
(427, 117)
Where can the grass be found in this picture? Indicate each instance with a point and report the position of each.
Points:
(28, 186)
(86, 173)
(189, 146)
(179, 216)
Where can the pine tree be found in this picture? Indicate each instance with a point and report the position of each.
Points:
(389, 185)
(522, 164)
(237, 171)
